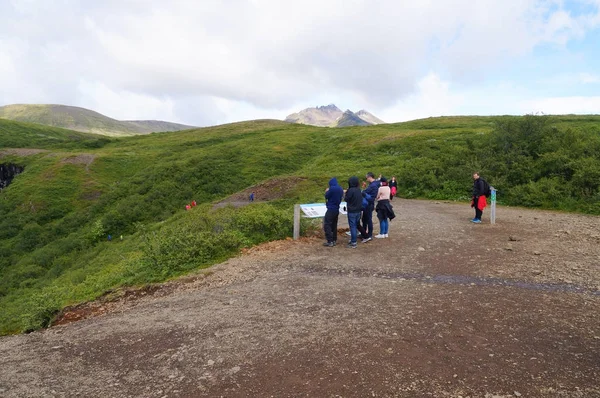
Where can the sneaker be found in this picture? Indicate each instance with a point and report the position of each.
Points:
(334, 243)
(380, 236)
(328, 244)
(352, 245)
(348, 233)
(386, 236)
(476, 221)
(367, 240)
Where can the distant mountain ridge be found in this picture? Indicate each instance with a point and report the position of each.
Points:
(369, 117)
(84, 120)
(350, 118)
(332, 116)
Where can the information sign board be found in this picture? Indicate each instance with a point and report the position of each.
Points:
(316, 210)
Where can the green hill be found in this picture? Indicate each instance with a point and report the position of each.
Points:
(29, 135)
(56, 215)
(84, 120)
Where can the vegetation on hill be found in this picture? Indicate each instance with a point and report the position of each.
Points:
(84, 120)
(55, 216)
(29, 135)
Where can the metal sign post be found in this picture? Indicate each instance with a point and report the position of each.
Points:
(493, 212)
(296, 222)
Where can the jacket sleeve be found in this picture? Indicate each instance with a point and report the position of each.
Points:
(372, 190)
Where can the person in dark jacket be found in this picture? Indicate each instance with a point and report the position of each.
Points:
(361, 225)
(479, 201)
(333, 195)
(353, 207)
(371, 190)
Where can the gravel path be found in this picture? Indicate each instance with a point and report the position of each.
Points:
(443, 308)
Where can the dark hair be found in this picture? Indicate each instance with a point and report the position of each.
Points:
(370, 174)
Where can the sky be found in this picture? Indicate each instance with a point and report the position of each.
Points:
(211, 62)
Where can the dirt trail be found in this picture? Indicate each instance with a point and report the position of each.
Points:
(443, 308)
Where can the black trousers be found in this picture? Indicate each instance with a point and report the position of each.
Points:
(330, 222)
(368, 219)
(362, 226)
(478, 213)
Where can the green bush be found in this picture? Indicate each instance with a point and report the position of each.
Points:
(200, 238)
(41, 309)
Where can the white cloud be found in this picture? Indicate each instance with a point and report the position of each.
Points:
(124, 104)
(588, 78)
(433, 98)
(563, 105)
(239, 58)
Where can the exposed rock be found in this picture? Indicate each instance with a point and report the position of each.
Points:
(8, 172)
(349, 118)
(369, 117)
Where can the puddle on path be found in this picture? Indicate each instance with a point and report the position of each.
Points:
(460, 280)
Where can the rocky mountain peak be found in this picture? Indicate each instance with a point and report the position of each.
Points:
(332, 116)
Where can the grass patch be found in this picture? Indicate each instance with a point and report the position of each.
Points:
(56, 215)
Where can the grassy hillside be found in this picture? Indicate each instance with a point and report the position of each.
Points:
(56, 215)
(84, 120)
(30, 135)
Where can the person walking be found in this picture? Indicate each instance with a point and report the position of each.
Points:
(393, 187)
(385, 211)
(353, 200)
(371, 191)
(479, 202)
(333, 195)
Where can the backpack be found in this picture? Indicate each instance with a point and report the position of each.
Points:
(487, 191)
(366, 199)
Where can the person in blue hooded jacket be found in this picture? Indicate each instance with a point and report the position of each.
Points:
(333, 195)
(371, 191)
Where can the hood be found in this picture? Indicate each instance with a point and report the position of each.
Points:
(353, 182)
(333, 182)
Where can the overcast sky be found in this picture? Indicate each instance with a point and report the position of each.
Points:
(207, 62)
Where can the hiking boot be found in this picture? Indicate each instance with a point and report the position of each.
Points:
(352, 245)
(368, 239)
(328, 244)
(380, 236)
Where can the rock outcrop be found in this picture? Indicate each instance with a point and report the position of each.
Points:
(8, 171)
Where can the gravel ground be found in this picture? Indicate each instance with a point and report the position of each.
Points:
(443, 308)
